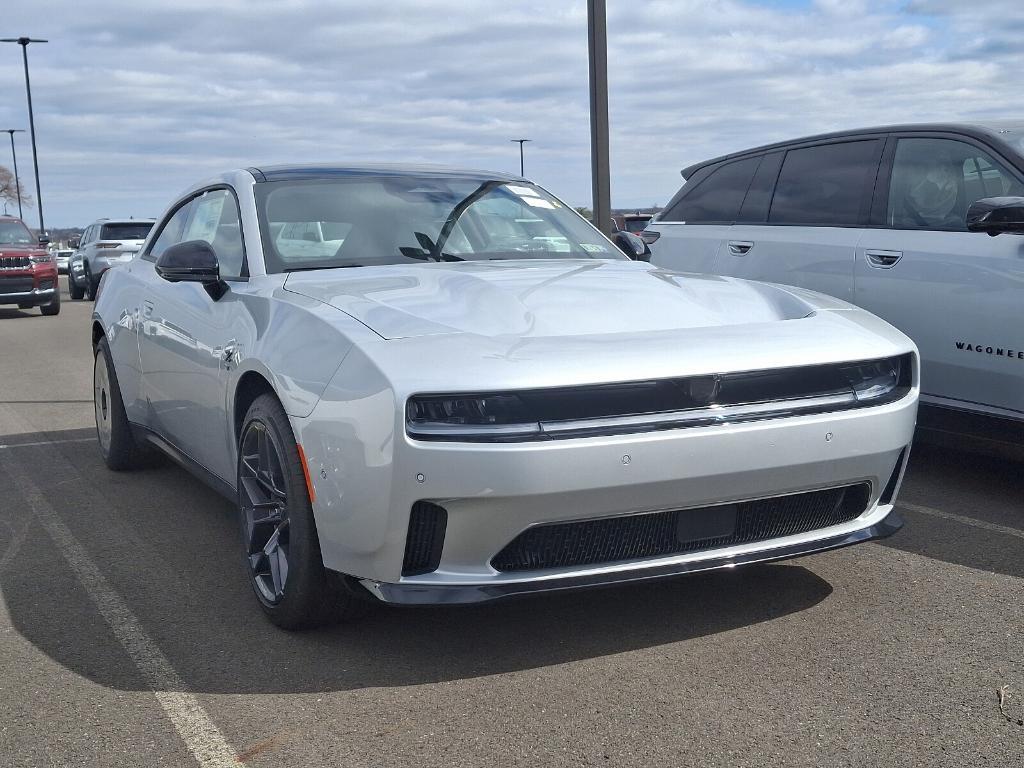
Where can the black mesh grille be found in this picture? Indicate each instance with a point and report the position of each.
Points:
(427, 524)
(15, 284)
(45, 285)
(15, 262)
(658, 534)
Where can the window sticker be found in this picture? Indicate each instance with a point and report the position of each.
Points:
(593, 248)
(536, 202)
(522, 191)
(206, 218)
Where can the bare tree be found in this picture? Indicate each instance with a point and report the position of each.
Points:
(9, 190)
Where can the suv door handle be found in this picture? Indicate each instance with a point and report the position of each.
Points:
(883, 259)
(740, 247)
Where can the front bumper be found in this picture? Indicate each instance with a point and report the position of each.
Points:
(366, 488)
(35, 297)
(454, 594)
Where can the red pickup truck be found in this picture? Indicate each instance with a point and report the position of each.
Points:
(28, 273)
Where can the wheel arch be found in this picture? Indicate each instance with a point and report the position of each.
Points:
(97, 333)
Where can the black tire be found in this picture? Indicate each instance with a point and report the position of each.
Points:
(92, 284)
(308, 595)
(118, 446)
(76, 291)
(53, 308)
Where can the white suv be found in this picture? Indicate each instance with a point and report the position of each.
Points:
(106, 243)
(886, 218)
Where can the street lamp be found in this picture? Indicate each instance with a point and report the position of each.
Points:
(597, 43)
(14, 157)
(24, 43)
(521, 142)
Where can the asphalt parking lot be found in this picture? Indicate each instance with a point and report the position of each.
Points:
(129, 636)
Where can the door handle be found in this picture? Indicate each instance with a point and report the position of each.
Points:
(883, 259)
(740, 247)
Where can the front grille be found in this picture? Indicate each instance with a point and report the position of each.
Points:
(659, 534)
(15, 284)
(427, 524)
(15, 262)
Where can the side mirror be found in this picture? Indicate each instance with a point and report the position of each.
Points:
(996, 215)
(44, 239)
(75, 243)
(632, 246)
(193, 261)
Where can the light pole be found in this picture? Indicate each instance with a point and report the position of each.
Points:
(597, 43)
(14, 158)
(521, 142)
(24, 43)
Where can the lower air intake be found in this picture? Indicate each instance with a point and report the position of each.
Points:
(659, 534)
(427, 524)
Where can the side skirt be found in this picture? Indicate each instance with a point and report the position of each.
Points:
(217, 483)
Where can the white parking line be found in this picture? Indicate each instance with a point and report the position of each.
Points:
(203, 739)
(961, 519)
(49, 442)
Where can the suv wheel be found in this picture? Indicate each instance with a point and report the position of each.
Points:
(76, 291)
(53, 308)
(91, 284)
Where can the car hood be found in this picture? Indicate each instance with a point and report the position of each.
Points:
(543, 298)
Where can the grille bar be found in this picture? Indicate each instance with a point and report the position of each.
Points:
(15, 262)
(659, 534)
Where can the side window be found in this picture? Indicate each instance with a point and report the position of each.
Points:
(827, 185)
(759, 196)
(215, 219)
(718, 197)
(934, 181)
(87, 235)
(171, 233)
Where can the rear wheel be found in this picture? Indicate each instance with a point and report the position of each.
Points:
(53, 308)
(76, 291)
(117, 444)
(281, 547)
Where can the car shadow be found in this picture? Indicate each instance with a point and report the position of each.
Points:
(168, 547)
(962, 507)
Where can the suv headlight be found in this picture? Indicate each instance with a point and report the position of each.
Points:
(42, 258)
(874, 380)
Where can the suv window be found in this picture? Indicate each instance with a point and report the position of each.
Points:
(126, 231)
(718, 196)
(934, 181)
(825, 185)
(215, 220)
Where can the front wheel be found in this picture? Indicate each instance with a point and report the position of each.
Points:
(91, 283)
(281, 547)
(53, 308)
(76, 291)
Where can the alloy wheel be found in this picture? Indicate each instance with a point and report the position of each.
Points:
(101, 401)
(264, 509)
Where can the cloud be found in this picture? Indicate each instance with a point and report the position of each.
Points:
(136, 101)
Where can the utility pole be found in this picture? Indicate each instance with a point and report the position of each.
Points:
(24, 43)
(597, 39)
(521, 142)
(14, 159)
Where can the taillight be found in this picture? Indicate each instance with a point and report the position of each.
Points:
(108, 245)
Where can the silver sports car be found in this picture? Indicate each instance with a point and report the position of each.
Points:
(425, 385)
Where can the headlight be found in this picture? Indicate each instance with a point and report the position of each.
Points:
(43, 258)
(468, 417)
(876, 379)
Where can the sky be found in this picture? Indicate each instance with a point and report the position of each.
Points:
(136, 101)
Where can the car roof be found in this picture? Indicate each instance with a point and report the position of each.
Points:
(334, 170)
(988, 129)
(125, 221)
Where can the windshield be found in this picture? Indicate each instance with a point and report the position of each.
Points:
(134, 230)
(368, 221)
(14, 233)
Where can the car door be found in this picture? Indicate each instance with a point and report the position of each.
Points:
(959, 295)
(802, 218)
(189, 342)
(694, 225)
